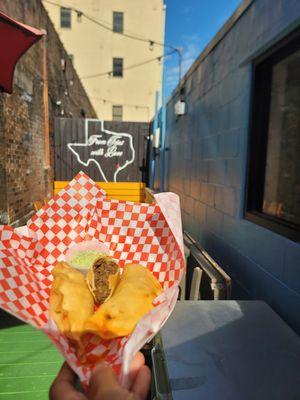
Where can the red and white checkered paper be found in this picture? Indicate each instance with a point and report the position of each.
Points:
(134, 232)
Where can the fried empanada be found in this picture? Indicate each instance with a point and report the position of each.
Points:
(103, 277)
(131, 300)
(71, 302)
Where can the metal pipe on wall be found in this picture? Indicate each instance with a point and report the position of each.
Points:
(154, 132)
(163, 119)
(46, 104)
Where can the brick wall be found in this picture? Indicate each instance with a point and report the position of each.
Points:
(207, 162)
(24, 177)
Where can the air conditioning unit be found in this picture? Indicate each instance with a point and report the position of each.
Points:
(180, 107)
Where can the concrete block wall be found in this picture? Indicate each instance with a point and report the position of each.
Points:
(23, 176)
(206, 162)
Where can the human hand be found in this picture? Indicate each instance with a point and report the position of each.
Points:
(103, 384)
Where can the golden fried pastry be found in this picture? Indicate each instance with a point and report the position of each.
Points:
(131, 300)
(71, 302)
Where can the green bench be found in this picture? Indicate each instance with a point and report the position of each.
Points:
(28, 361)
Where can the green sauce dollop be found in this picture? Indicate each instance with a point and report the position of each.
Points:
(84, 259)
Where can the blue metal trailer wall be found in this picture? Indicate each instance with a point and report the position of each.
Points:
(206, 161)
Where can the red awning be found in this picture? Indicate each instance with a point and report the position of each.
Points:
(15, 39)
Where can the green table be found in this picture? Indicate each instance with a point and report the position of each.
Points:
(28, 361)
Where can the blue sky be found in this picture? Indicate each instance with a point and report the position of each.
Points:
(191, 24)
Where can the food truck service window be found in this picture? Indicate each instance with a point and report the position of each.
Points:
(273, 184)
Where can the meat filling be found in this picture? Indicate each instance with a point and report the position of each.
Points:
(103, 268)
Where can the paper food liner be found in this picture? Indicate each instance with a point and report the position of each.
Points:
(148, 234)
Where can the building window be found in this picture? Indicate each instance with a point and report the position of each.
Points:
(118, 21)
(65, 17)
(118, 67)
(273, 189)
(117, 113)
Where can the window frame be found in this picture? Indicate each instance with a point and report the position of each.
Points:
(258, 137)
(119, 106)
(113, 71)
(70, 14)
(115, 14)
